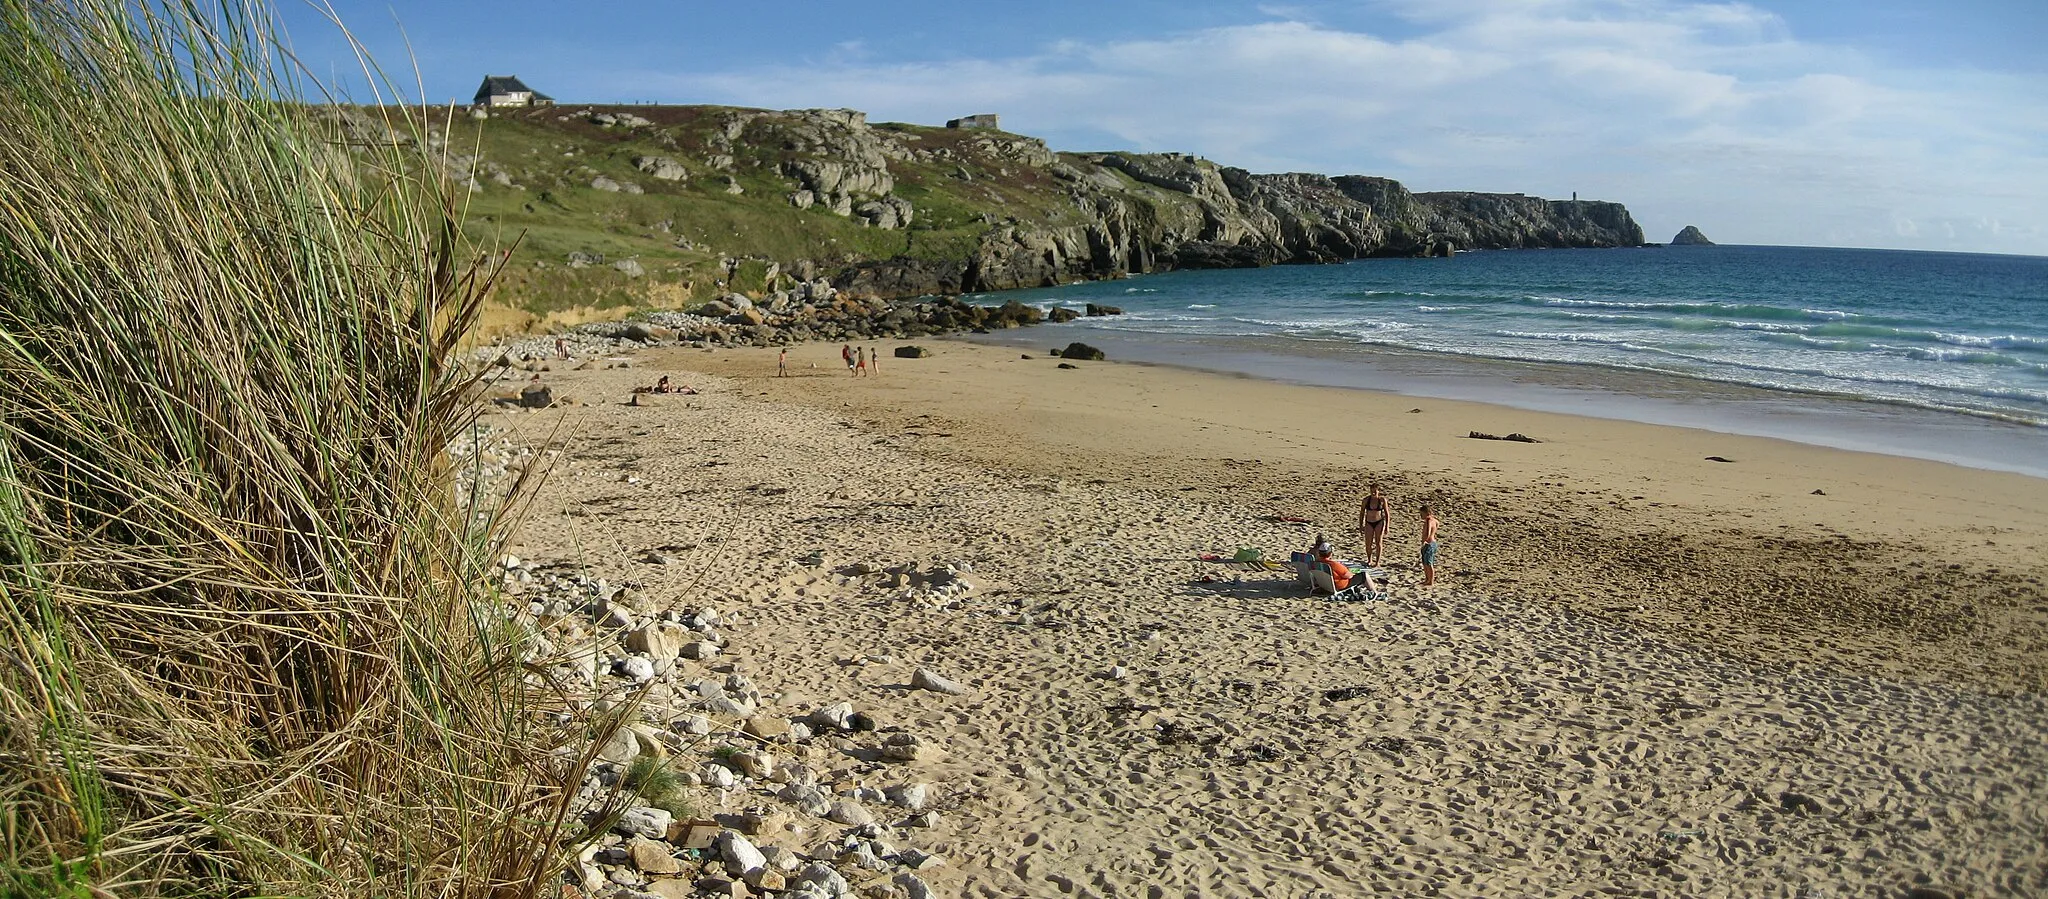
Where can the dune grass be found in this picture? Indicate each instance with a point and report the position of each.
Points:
(250, 647)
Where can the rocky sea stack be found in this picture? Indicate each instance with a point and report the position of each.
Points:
(1691, 237)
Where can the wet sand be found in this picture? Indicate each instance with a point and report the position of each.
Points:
(1643, 671)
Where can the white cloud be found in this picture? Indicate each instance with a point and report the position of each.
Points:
(1703, 113)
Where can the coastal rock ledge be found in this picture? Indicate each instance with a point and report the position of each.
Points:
(1691, 237)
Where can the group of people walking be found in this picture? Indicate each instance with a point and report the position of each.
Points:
(860, 361)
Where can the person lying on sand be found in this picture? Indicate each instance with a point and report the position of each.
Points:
(663, 386)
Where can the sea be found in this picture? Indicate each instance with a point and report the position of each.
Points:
(1939, 356)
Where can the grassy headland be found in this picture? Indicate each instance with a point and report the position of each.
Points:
(704, 200)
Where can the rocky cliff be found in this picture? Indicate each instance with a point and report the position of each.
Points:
(1197, 214)
(702, 201)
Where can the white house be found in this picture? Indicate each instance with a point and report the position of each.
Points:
(508, 90)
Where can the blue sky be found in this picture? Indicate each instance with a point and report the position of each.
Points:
(1884, 123)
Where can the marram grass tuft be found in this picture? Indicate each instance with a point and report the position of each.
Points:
(249, 645)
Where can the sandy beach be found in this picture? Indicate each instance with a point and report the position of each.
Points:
(1795, 671)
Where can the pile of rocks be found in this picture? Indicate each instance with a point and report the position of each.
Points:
(944, 585)
(810, 310)
(781, 318)
(756, 793)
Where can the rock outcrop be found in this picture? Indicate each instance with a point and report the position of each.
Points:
(1691, 237)
(1179, 212)
(969, 209)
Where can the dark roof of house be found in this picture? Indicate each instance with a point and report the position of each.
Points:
(506, 84)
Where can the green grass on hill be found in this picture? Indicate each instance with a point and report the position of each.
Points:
(681, 232)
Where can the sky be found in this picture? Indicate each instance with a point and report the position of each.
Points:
(1880, 123)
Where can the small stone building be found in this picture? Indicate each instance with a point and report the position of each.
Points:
(508, 90)
(984, 120)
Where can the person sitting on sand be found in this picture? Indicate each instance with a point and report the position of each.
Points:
(1340, 574)
(1374, 518)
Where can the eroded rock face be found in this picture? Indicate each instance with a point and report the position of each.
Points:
(1154, 212)
(661, 167)
(832, 177)
(1513, 221)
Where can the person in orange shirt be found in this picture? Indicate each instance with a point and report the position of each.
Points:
(1339, 572)
(1341, 575)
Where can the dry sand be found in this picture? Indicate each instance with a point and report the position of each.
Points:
(1643, 673)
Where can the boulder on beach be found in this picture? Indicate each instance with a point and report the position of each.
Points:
(912, 352)
(536, 396)
(1082, 351)
(1096, 310)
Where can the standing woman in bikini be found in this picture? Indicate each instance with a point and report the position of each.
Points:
(1372, 521)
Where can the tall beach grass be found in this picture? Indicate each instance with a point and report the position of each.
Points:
(249, 646)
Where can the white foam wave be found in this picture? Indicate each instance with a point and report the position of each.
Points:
(1567, 337)
(1598, 316)
(2004, 341)
(1961, 355)
(1815, 342)
(1771, 327)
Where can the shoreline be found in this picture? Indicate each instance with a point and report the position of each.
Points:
(1832, 420)
(1599, 511)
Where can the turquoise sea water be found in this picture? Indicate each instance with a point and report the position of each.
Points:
(1889, 350)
